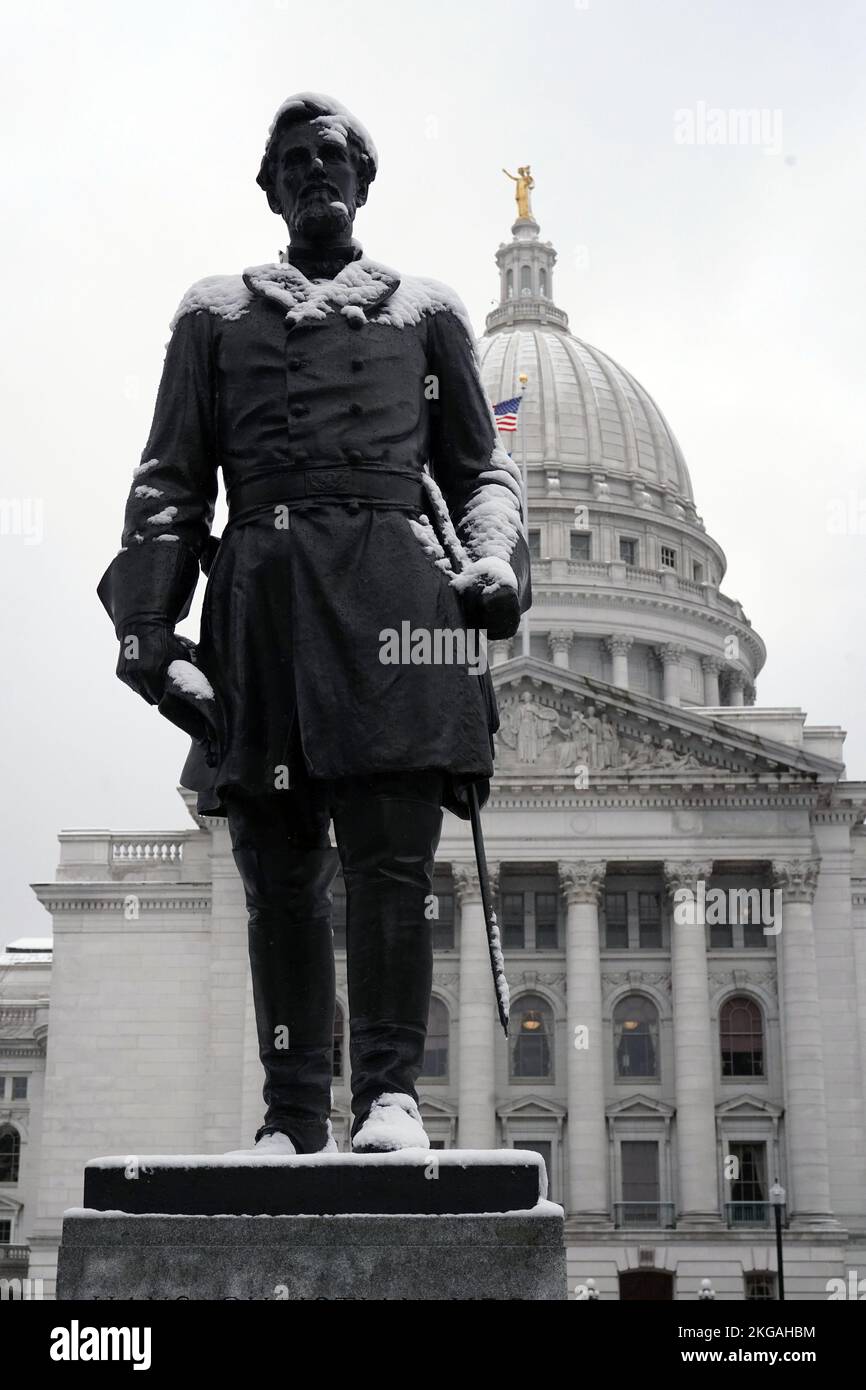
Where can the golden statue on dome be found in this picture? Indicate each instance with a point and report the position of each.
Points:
(524, 186)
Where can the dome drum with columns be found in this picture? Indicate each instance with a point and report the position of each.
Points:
(612, 517)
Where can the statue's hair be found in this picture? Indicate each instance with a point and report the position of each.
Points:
(307, 107)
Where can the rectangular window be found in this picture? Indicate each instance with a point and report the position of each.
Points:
(543, 1147)
(649, 908)
(513, 922)
(640, 1173)
(721, 936)
(19, 1088)
(697, 572)
(748, 1205)
(546, 922)
(2, 1087)
(437, 1143)
(628, 550)
(581, 545)
(750, 917)
(669, 557)
(5, 1232)
(443, 925)
(759, 1287)
(534, 538)
(616, 921)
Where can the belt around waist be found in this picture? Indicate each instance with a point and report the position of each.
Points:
(385, 486)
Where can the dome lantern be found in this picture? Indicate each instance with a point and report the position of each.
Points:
(526, 280)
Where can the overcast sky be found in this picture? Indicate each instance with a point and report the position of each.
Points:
(728, 278)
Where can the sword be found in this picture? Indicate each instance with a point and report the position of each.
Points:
(444, 529)
(494, 943)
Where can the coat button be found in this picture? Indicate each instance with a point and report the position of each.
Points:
(355, 409)
(299, 411)
(357, 365)
(353, 507)
(353, 455)
(355, 323)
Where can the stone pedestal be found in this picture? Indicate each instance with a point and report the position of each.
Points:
(419, 1225)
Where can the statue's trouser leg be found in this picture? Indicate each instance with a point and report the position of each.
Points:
(281, 848)
(387, 829)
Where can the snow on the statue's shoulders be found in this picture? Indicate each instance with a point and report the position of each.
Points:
(226, 296)
(417, 295)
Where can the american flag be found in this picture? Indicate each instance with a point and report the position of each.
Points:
(506, 415)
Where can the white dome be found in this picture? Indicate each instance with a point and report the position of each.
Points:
(582, 408)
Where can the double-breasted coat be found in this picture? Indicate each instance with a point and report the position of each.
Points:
(317, 400)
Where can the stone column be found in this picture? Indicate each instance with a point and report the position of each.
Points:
(736, 686)
(500, 650)
(560, 645)
(712, 669)
(694, 1053)
(581, 882)
(618, 647)
(670, 656)
(803, 1053)
(477, 1023)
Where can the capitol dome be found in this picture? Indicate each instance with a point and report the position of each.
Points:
(625, 577)
(590, 411)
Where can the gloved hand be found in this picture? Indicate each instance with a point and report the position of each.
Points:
(496, 609)
(147, 647)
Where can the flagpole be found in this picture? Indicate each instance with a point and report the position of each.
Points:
(524, 379)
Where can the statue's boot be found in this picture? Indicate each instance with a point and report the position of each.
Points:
(387, 829)
(287, 890)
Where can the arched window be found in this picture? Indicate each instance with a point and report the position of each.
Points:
(741, 1028)
(10, 1154)
(636, 1037)
(542, 283)
(339, 1040)
(509, 285)
(436, 1050)
(532, 1044)
(525, 280)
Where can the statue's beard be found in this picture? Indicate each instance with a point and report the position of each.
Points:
(315, 218)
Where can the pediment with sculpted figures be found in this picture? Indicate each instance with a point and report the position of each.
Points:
(577, 729)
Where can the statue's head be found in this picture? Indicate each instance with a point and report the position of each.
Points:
(317, 168)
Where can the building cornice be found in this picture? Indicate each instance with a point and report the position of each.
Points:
(114, 897)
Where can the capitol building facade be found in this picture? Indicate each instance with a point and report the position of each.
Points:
(681, 880)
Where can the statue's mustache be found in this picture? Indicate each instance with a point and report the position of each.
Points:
(309, 189)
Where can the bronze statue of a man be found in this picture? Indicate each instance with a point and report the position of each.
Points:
(366, 488)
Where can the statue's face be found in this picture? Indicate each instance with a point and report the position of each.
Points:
(318, 187)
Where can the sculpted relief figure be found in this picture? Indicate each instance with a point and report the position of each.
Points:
(574, 750)
(527, 727)
(668, 757)
(644, 757)
(641, 756)
(590, 740)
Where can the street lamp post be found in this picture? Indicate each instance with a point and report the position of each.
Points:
(706, 1293)
(777, 1202)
